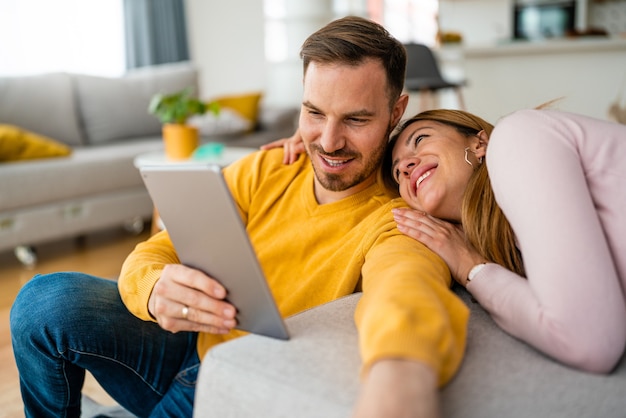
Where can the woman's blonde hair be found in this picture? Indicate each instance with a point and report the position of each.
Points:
(486, 228)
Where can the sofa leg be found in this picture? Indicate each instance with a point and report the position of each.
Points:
(81, 241)
(135, 225)
(26, 255)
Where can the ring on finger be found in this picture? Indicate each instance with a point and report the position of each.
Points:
(185, 311)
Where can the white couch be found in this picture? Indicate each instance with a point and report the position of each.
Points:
(106, 122)
(316, 374)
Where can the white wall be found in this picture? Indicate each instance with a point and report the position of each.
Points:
(227, 44)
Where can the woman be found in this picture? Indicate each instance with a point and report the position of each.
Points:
(548, 260)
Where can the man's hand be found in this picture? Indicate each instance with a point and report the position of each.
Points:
(397, 388)
(185, 299)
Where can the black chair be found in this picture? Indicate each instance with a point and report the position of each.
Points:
(423, 76)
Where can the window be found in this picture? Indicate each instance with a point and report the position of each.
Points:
(408, 20)
(289, 22)
(39, 36)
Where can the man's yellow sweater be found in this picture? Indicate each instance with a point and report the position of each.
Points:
(313, 254)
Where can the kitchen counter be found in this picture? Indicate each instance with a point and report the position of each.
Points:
(587, 75)
(567, 45)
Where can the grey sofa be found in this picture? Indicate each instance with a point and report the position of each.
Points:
(105, 121)
(315, 374)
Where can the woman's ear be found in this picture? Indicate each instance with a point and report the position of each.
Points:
(483, 141)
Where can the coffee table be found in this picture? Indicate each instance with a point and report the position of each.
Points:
(213, 154)
(222, 157)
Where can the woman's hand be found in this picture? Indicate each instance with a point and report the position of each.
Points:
(444, 238)
(396, 388)
(185, 299)
(293, 147)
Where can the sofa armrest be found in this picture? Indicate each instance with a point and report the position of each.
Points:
(275, 118)
(314, 374)
(503, 377)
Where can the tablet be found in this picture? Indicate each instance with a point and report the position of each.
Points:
(201, 217)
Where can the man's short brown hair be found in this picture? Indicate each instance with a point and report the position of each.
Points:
(352, 40)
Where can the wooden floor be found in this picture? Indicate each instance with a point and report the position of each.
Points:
(99, 254)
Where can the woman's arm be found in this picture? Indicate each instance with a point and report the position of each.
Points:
(559, 179)
(293, 147)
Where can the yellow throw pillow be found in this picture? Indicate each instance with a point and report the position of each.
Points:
(20, 144)
(246, 105)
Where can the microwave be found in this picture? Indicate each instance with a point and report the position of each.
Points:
(544, 19)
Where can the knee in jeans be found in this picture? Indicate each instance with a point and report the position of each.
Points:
(36, 304)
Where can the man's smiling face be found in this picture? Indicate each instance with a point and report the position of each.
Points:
(345, 121)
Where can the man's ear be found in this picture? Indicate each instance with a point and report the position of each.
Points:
(399, 109)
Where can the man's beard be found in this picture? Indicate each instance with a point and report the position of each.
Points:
(341, 182)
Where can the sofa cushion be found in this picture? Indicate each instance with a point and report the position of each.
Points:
(238, 114)
(117, 108)
(313, 374)
(19, 144)
(43, 104)
(88, 171)
(316, 373)
(245, 105)
(504, 377)
(275, 122)
(226, 122)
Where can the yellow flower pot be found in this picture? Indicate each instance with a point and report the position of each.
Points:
(180, 140)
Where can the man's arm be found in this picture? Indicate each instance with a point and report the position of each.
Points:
(407, 310)
(154, 286)
(399, 388)
(412, 328)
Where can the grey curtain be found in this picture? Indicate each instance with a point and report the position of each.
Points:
(156, 32)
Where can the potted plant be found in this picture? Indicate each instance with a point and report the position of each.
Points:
(173, 110)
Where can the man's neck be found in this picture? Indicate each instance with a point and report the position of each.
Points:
(324, 196)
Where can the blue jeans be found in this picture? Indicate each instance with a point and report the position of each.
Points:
(65, 323)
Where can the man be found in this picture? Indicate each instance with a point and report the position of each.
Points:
(322, 229)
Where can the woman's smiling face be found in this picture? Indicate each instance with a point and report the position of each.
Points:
(428, 163)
